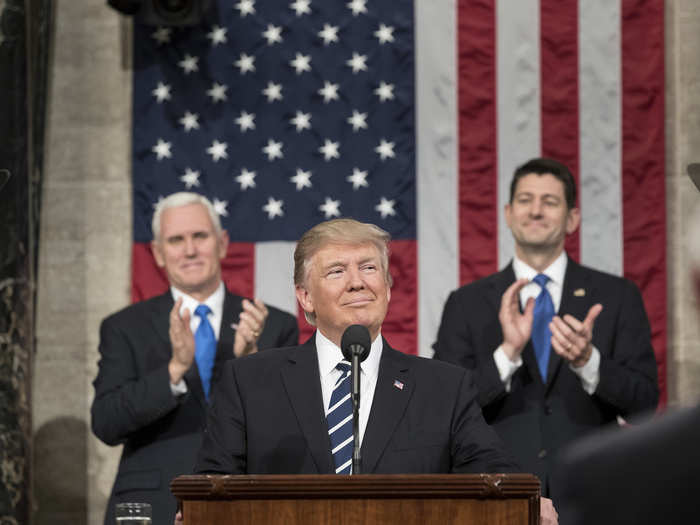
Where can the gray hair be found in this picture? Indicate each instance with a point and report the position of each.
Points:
(183, 198)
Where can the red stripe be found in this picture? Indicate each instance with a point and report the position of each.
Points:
(478, 145)
(149, 280)
(559, 88)
(643, 190)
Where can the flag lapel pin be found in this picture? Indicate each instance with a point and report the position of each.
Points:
(398, 384)
(579, 292)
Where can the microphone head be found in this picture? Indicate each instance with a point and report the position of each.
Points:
(355, 336)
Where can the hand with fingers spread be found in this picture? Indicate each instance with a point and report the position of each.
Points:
(181, 341)
(571, 338)
(516, 326)
(249, 327)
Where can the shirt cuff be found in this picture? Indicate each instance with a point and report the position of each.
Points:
(506, 367)
(179, 388)
(589, 373)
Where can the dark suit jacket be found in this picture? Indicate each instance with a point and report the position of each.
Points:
(268, 418)
(633, 475)
(536, 419)
(134, 405)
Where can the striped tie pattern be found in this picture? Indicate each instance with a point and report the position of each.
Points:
(339, 418)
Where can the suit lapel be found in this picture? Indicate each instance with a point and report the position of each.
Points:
(227, 334)
(388, 406)
(302, 382)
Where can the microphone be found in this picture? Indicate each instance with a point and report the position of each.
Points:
(355, 345)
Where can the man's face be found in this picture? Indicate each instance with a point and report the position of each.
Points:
(538, 216)
(190, 250)
(345, 285)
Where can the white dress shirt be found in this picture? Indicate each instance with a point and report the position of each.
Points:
(215, 302)
(588, 373)
(329, 355)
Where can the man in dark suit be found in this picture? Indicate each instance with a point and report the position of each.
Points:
(558, 349)
(160, 359)
(279, 412)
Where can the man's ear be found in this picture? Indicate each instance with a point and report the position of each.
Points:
(223, 244)
(507, 213)
(573, 219)
(304, 298)
(157, 252)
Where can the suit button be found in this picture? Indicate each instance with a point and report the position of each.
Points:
(542, 454)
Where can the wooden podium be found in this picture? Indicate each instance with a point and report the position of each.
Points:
(423, 499)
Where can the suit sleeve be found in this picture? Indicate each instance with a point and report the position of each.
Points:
(456, 344)
(127, 398)
(628, 374)
(475, 445)
(223, 448)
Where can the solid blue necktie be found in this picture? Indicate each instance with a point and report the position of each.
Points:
(541, 335)
(339, 417)
(205, 348)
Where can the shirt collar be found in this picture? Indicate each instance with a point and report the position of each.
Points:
(329, 354)
(554, 271)
(215, 301)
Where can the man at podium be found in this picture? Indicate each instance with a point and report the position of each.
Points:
(284, 412)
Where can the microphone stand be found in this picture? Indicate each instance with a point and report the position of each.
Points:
(356, 350)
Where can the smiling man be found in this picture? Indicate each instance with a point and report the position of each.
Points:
(161, 358)
(558, 349)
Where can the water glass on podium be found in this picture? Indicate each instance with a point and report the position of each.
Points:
(133, 514)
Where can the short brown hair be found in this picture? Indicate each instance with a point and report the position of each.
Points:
(543, 166)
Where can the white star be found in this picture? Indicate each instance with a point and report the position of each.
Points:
(189, 64)
(245, 63)
(273, 34)
(273, 208)
(189, 121)
(301, 7)
(385, 207)
(273, 150)
(220, 207)
(273, 91)
(162, 149)
(301, 63)
(330, 150)
(217, 150)
(329, 34)
(384, 34)
(161, 35)
(246, 121)
(385, 91)
(246, 179)
(217, 92)
(329, 92)
(246, 7)
(358, 120)
(190, 178)
(357, 62)
(330, 208)
(385, 149)
(302, 179)
(162, 92)
(357, 6)
(302, 121)
(217, 35)
(358, 178)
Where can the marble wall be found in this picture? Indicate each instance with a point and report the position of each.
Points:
(86, 225)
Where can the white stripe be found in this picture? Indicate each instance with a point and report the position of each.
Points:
(518, 78)
(344, 443)
(343, 466)
(274, 274)
(600, 124)
(436, 162)
(340, 424)
(331, 409)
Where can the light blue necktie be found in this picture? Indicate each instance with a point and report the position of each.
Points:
(205, 348)
(541, 335)
(340, 421)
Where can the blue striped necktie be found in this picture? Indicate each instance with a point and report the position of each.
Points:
(541, 335)
(339, 417)
(205, 348)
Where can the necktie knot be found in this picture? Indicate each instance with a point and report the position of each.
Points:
(202, 311)
(541, 279)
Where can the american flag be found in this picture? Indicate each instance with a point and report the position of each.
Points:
(411, 115)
